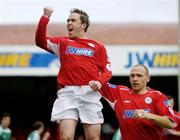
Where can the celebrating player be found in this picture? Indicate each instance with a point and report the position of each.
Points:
(82, 60)
(141, 112)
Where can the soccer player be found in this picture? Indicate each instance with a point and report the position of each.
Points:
(142, 112)
(82, 60)
(5, 131)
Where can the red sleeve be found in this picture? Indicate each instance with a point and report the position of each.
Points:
(111, 92)
(163, 106)
(105, 66)
(41, 38)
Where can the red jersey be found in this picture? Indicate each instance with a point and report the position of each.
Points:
(81, 60)
(177, 127)
(125, 102)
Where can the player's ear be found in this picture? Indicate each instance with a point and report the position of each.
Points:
(84, 25)
(148, 78)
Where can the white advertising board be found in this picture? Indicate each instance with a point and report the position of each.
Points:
(32, 61)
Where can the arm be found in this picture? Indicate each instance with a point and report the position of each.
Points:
(173, 132)
(105, 66)
(162, 121)
(164, 113)
(40, 37)
(106, 72)
(41, 40)
(108, 91)
(176, 130)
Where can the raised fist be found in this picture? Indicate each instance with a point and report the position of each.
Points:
(48, 11)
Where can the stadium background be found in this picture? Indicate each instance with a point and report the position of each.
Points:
(29, 97)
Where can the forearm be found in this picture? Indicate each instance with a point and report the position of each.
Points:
(177, 133)
(162, 121)
(40, 37)
(174, 132)
(105, 77)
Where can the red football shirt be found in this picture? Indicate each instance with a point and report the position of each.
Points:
(177, 127)
(125, 102)
(81, 60)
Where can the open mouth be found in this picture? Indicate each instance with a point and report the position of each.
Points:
(135, 84)
(70, 30)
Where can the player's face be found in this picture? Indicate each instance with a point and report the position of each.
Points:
(74, 26)
(138, 79)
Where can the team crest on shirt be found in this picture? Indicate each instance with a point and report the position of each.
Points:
(148, 100)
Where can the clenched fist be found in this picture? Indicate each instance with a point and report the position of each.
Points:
(48, 11)
(95, 85)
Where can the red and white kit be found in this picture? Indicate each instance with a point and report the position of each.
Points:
(81, 60)
(125, 102)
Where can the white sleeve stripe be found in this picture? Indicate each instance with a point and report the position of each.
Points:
(53, 46)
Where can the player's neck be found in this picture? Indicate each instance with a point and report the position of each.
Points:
(82, 35)
(142, 91)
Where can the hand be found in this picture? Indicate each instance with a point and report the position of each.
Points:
(48, 11)
(141, 114)
(171, 132)
(95, 85)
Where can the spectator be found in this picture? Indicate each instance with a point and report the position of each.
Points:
(5, 132)
(38, 129)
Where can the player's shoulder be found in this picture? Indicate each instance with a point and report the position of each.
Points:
(56, 39)
(8, 130)
(119, 87)
(95, 43)
(122, 87)
(63, 38)
(156, 93)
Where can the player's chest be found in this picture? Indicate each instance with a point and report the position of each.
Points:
(131, 100)
(128, 104)
(76, 49)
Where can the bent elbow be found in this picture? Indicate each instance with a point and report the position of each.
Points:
(170, 124)
(37, 43)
